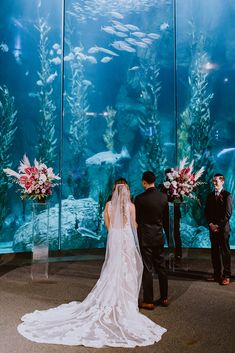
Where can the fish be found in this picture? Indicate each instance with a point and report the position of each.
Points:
(116, 15)
(91, 59)
(131, 41)
(4, 47)
(56, 61)
(77, 50)
(108, 157)
(69, 57)
(108, 29)
(121, 27)
(39, 83)
(94, 50)
(121, 34)
(121, 45)
(106, 59)
(107, 51)
(59, 51)
(87, 82)
(33, 95)
(147, 40)
(153, 35)
(51, 52)
(141, 44)
(225, 150)
(169, 144)
(81, 56)
(134, 68)
(56, 46)
(27, 73)
(52, 77)
(164, 26)
(132, 27)
(139, 34)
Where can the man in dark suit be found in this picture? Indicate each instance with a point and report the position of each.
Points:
(151, 217)
(218, 211)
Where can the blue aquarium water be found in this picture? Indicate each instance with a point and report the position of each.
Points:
(97, 89)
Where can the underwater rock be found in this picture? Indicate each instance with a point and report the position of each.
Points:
(194, 237)
(79, 224)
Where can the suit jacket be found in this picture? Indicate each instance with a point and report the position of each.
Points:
(152, 215)
(218, 210)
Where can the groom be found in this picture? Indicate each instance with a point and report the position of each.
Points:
(152, 217)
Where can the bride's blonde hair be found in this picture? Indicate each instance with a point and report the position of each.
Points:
(121, 191)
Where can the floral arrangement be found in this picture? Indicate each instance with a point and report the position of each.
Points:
(36, 181)
(182, 181)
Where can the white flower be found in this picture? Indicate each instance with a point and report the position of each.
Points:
(42, 177)
(43, 191)
(174, 184)
(167, 184)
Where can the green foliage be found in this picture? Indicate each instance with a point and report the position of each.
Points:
(46, 149)
(184, 148)
(7, 132)
(195, 128)
(77, 104)
(151, 156)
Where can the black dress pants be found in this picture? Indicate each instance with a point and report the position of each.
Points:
(177, 237)
(220, 250)
(153, 260)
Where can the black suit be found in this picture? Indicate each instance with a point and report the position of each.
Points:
(151, 217)
(218, 211)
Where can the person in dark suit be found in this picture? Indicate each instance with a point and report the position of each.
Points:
(218, 211)
(152, 217)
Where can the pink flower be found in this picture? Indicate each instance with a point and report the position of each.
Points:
(36, 181)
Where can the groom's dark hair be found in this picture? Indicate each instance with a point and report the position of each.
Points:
(149, 177)
(221, 176)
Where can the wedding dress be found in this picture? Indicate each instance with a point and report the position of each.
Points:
(109, 316)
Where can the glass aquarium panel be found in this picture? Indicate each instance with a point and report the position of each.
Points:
(205, 71)
(30, 109)
(119, 106)
(146, 83)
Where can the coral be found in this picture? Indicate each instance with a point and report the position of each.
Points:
(46, 149)
(7, 132)
(110, 131)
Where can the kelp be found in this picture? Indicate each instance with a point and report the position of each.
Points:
(77, 106)
(46, 148)
(151, 156)
(7, 132)
(195, 128)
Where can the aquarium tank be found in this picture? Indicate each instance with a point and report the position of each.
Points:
(98, 89)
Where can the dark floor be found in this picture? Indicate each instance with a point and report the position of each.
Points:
(200, 318)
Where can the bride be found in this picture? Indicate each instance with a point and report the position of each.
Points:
(109, 316)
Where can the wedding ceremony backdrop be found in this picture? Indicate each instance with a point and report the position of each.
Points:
(98, 89)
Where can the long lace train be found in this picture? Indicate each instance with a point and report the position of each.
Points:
(109, 316)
